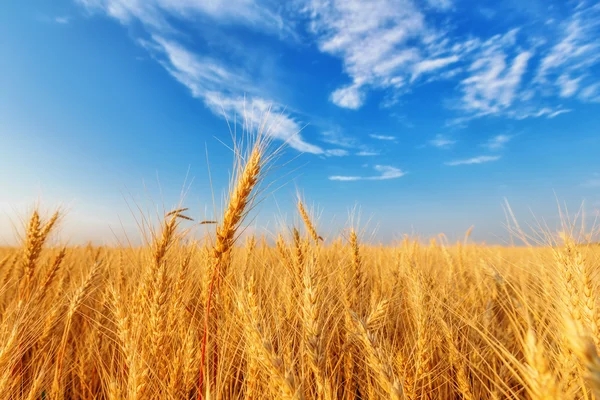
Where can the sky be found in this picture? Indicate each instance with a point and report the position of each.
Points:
(423, 115)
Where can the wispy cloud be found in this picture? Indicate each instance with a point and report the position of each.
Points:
(432, 65)
(392, 45)
(497, 142)
(521, 78)
(62, 20)
(536, 113)
(526, 112)
(493, 81)
(348, 97)
(558, 112)
(337, 152)
(372, 40)
(577, 49)
(386, 172)
(281, 126)
(441, 142)
(389, 44)
(568, 86)
(591, 93)
(223, 91)
(338, 137)
(155, 13)
(474, 160)
(367, 153)
(226, 88)
(382, 137)
(345, 178)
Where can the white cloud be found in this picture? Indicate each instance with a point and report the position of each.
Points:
(366, 153)
(382, 137)
(337, 137)
(155, 13)
(223, 91)
(579, 46)
(542, 112)
(474, 160)
(441, 142)
(386, 172)
(498, 142)
(389, 44)
(62, 20)
(576, 51)
(493, 82)
(348, 97)
(393, 46)
(568, 86)
(558, 112)
(281, 126)
(200, 74)
(432, 65)
(591, 93)
(337, 152)
(345, 178)
(372, 40)
(525, 112)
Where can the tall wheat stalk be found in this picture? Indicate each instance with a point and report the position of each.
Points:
(240, 198)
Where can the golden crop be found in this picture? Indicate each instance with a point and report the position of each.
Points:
(302, 319)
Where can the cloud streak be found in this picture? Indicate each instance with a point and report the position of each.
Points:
(441, 142)
(427, 66)
(386, 172)
(62, 20)
(367, 153)
(155, 14)
(222, 91)
(497, 142)
(473, 160)
(388, 138)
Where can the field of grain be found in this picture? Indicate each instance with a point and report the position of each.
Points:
(295, 317)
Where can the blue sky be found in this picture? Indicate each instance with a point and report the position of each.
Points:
(427, 114)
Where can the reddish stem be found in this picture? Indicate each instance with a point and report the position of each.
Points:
(205, 333)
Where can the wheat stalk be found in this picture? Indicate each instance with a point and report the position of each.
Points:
(240, 198)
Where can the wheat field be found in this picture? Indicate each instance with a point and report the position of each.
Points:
(294, 316)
